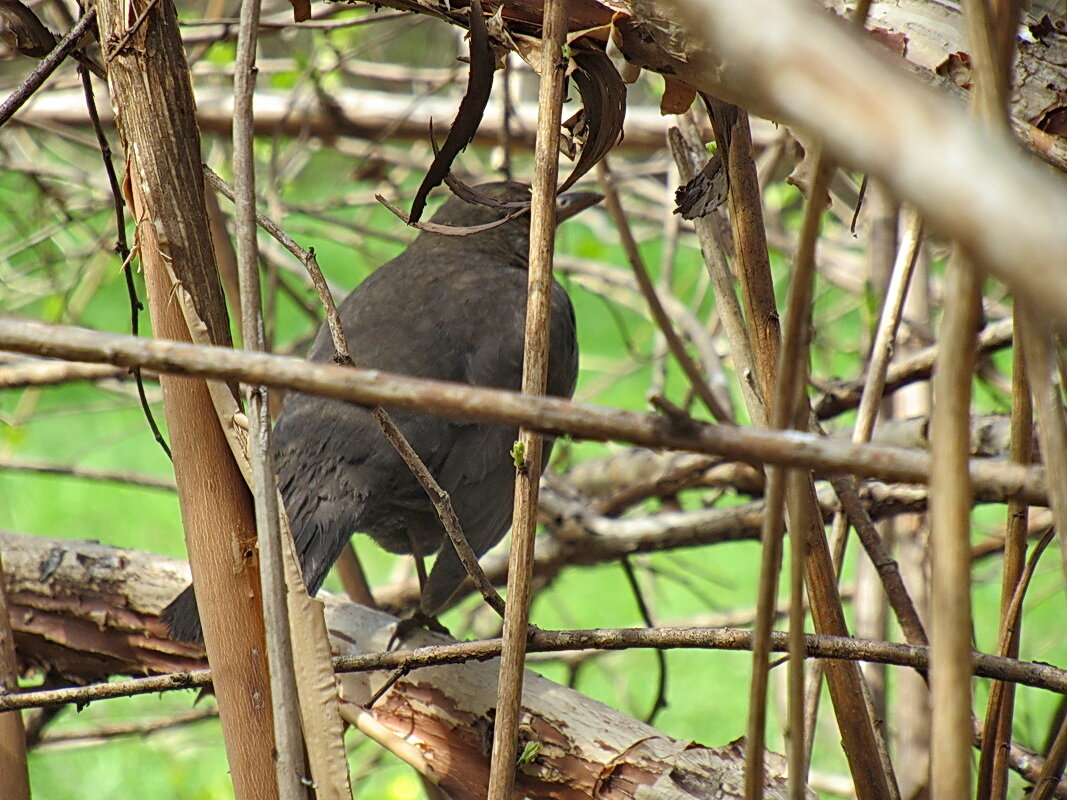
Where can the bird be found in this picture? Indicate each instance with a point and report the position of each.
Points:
(451, 308)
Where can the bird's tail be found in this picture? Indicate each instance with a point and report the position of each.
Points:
(445, 578)
(183, 618)
(320, 530)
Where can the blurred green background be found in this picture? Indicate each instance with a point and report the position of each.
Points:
(56, 264)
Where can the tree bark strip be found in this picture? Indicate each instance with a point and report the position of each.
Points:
(152, 96)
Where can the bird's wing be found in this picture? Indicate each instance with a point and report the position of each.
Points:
(478, 472)
(479, 478)
(326, 472)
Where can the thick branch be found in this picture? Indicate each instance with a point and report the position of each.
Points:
(114, 595)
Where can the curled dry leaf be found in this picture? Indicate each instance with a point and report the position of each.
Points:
(23, 31)
(471, 109)
(677, 97)
(504, 39)
(598, 126)
(704, 193)
(594, 130)
(449, 230)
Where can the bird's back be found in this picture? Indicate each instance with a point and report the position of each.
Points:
(449, 308)
(433, 312)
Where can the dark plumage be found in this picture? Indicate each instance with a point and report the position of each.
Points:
(451, 308)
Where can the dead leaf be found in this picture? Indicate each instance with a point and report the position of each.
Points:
(677, 97)
(25, 33)
(704, 193)
(599, 127)
(301, 10)
(471, 109)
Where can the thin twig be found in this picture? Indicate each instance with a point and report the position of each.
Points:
(888, 569)
(288, 737)
(916, 367)
(47, 373)
(87, 473)
(122, 248)
(870, 401)
(881, 353)
(950, 520)
(443, 505)
(140, 728)
(950, 525)
(48, 65)
(534, 382)
(722, 282)
(997, 480)
(115, 49)
(1025, 673)
(1000, 709)
(1040, 361)
(659, 314)
(660, 701)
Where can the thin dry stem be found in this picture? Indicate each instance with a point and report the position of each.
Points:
(443, 505)
(534, 382)
(1023, 673)
(950, 774)
(950, 527)
(1051, 426)
(659, 314)
(722, 282)
(993, 765)
(288, 737)
(996, 481)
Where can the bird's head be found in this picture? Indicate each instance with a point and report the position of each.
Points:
(514, 235)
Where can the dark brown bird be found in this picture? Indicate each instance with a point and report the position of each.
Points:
(451, 308)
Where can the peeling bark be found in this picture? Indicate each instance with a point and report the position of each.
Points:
(85, 612)
(585, 749)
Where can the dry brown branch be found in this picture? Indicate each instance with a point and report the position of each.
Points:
(47, 66)
(530, 445)
(664, 323)
(351, 113)
(86, 473)
(776, 378)
(909, 369)
(690, 160)
(993, 767)
(100, 733)
(740, 52)
(45, 373)
(950, 517)
(581, 536)
(126, 589)
(1000, 480)
(289, 742)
